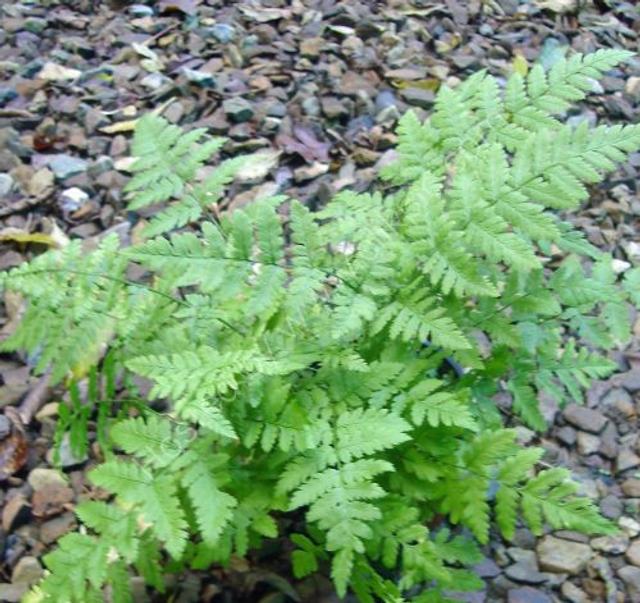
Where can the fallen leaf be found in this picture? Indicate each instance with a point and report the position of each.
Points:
(258, 166)
(264, 14)
(557, 6)
(122, 126)
(520, 65)
(151, 61)
(52, 72)
(305, 144)
(22, 236)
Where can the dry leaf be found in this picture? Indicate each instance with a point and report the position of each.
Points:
(258, 166)
(52, 72)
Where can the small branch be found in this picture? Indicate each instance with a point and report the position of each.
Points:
(34, 400)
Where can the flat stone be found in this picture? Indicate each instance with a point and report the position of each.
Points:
(588, 443)
(223, 32)
(27, 571)
(567, 435)
(574, 594)
(42, 477)
(418, 97)
(15, 512)
(631, 577)
(488, 568)
(525, 573)
(13, 593)
(585, 419)
(629, 380)
(52, 530)
(238, 109)
(526, 594)
(562, 556)
(310, 48)
(615, 545)
(66, 166)
(41, 181)
(631, 487)
(611, 506)
(333, 108)
(633, 553)
(626, 459)
(6, 184)
(629, 526)
(5, 427)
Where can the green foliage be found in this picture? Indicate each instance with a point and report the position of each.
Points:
(340, 364)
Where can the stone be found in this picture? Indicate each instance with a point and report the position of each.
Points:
(310, 48)
(333, 108)
(418, 97)
(42, 180)
(631, 487)
(27, 571)
(588, 443)
(68, 458)
(574, 594)
(526, 594)
(614, 545)
(13, 593)
(276, 109)
(633, 553)
(611, 506)
(629, 526)
(626, 459)
(51, 500)
(6, 184)
(525, 573)
(5, 427)
(631, 577)
(16, 511)
(7, 95)
(633, 87)
(609, 442)
(618, 404)
(585, 419)
(223, 32)
(72, 199)
(562, 556)
(488, 568)
(66, 166)
(52, 530)
(238, 109)
(41, 478)
(629, 380)
(567, 435)
(311, 106)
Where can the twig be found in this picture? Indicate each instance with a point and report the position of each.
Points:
(34, 399)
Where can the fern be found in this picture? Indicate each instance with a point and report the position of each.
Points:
(342, 363)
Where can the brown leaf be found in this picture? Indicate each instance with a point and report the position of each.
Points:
(14, 447)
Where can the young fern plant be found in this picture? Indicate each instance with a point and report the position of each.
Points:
(330, 364)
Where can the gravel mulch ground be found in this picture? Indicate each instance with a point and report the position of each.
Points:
(317, 86)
